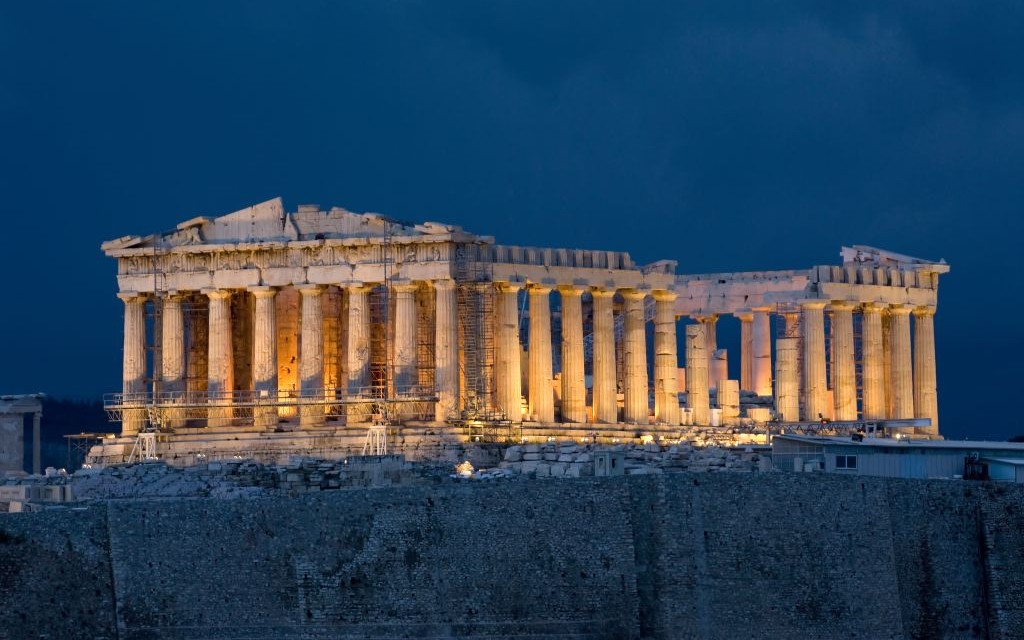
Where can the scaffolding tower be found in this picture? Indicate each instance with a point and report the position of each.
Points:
(475, 295)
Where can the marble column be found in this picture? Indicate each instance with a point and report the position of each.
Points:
(198, 324)
(172, 362)
(173, 347)
(358, 339)
(925, 392)
(542, 397)
(761, 364)
(134, 362)
(311, 357)
(709, 322)
(872, 373)
(787, 379)
(264, 362)
(902, 367)
(746, 350)
(814, 381)
(635, 407)
(220, 382)
(697, 398)
(446, 349)
(405, 358)
(574, 389)
(844, 368)
(666, 359)
(606, 406)
(887, 361)
(507, 353)
(37, 453)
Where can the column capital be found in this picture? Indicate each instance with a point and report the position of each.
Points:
(446, 285)
(310, 289)
(508, 287)
(217, 294)
(872, 307)
(571, 289)
(538, 288)
(744, 316)
(704, 317)
(634, 294)
(924, 311)
(262, 292)
(174, 295)
(842, 305)
(664, 295)
(359, 287)
(598, 292)
(131, 296)
(404, 287)
(764, 309)
(813, 304)
(901, 309)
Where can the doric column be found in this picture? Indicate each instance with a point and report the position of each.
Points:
(198, 345)
(761, 364)
(358, 339)
(709, 322)
(37, 418)
(925, 392)
(666, 359)
(220, 382)
(542, 401)
(635, 407)
(264, 361)
(172, 362)
(872, 373)
(814, 382)
(606, 406)
(902, 366)
(844, 369)
(446, 349)
(887, 361)
(697, 374)
(311, 357)
(508, 361)
(746, 350)
(787, 379)
(405, 336)
(574, 390)
(134, 362)
(173, 347)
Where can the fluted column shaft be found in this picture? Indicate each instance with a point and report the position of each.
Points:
(814, 382)
(264, 351)
(542, 401)
(508, 360)
(574, 390)
(844, 369)
(133, 361)
(666, 359)
(925, 392)
(446, 349)
(761, 343)
(710, 323)
(635, 407)
(697, 398)
(606, 407)
(902, 372)
(311, 357)
(405, 359)
(746, 350)
(787, 379)
(872, 373)
(220, 379)
(358, 339)
(173, 347)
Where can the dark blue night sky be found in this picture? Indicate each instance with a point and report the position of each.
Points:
(739, 137)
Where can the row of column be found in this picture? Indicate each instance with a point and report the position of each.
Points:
(897, 381)
(220, 368)
(540, 398)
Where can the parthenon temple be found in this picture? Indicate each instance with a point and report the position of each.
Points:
(268, 320)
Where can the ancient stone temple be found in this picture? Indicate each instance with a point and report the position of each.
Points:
(264, 320)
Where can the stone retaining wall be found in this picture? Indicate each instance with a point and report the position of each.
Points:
(656, 556)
